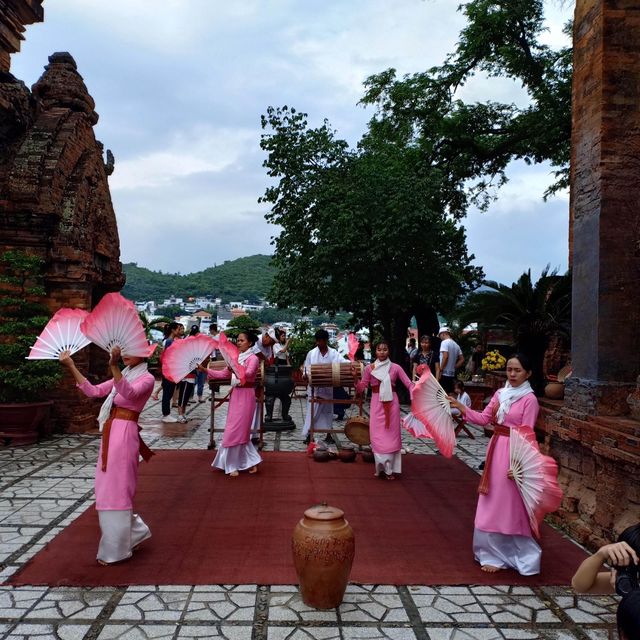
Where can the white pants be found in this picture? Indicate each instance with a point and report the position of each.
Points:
(121, 532)
(521, 553)
(388, 463)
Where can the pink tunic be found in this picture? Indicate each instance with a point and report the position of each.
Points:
(242, 405)
(116, 487)
(502, 509)
(385, 438)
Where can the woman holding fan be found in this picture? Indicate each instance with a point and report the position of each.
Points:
(117, 469)
(237, 452)
(384, 420)
(502, 536)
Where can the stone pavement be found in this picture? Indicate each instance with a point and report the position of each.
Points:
(46, 486)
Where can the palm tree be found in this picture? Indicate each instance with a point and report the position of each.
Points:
(532, 312)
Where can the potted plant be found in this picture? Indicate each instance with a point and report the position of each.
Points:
(23, 412)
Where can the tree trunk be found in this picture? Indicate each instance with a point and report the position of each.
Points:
(427, 320)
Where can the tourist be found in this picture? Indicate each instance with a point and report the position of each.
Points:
(263, 347)
(322, 353)
(628, 616)
(117, 468)
(502, 536)
(281, 348)
(450, 359)
(200, 376)
(172, 331)
(589, 578)
(237, 452)
(425, 357)
(461, 396)
(384, 413)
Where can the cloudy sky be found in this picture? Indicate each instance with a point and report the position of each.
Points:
(180, 86)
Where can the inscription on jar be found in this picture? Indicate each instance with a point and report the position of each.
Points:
(324, 550)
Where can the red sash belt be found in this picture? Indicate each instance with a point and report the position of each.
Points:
(122, 414)
(498, 430)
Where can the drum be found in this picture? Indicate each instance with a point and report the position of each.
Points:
(219, 365)
(337, 374)
(357, 430)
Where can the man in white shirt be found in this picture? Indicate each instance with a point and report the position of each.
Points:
(450, 359)
(263, 348)
(322, 412)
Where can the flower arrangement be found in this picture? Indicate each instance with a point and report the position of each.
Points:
(493, 360)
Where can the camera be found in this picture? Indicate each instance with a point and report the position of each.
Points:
(626, 579)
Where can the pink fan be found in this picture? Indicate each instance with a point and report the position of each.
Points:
(231, 354)
(62, 333)
(415, 427)
(353, 344)
(535, 475)
(430, 405)
(114, 322)
(183, 356)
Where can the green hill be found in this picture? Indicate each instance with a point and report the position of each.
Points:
(242, 279)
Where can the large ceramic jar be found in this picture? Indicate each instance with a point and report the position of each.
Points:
(323, 549)
(554, 390)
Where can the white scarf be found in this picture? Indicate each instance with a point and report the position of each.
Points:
(509, 395)
(129, 374)
(380, 371)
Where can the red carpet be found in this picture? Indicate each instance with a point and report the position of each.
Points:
(211, 529)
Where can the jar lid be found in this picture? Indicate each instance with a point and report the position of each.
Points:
(323, 512)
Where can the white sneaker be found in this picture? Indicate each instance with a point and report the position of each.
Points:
(182, 419)
(169, 419)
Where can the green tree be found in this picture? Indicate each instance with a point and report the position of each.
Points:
(532, 311)
(368, 230)
(22, 317)
(239, 324)
(502, 38)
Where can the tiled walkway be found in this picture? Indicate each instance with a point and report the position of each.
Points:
(44, 487)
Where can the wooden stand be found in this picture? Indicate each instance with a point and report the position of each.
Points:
(314, 401)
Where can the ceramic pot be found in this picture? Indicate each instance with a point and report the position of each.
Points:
(367, 456)
(323, 547)
(347, 455)
(554, 391)
(321, 455)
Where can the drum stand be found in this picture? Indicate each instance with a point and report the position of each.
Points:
(313, 401)
(259, 390)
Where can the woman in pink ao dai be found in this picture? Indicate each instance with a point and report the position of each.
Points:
(384, 419)
(237, 452)
(502, 537)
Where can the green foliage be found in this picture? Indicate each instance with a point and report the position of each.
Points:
(240, 324)
(243, 279)
(501, 39)
(22, 318)
(533, 312)
(301, 341)
(357, 225)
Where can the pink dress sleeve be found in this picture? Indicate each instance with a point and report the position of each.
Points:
(483, 418)
(531, 409)
(137, 391)
(251, 368)
(365, 380)
(218, 374)
(96, 390)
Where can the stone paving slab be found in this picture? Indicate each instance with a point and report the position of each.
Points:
(44, 487)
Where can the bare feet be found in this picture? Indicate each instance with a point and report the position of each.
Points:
(233, 474)
(390, 477)
(489, 568)
(103, 563)
(253, 469)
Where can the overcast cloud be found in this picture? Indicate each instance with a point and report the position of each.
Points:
(180, 86)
